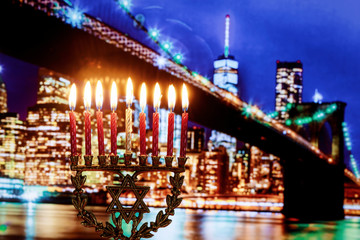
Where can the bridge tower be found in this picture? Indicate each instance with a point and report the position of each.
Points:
(314, 188)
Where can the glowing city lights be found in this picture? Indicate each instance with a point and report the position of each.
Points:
(204, 83)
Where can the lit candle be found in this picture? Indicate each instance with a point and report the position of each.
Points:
(155, 142)
(87, 103)
(142, 119)
(99, 117)
(113, 123)
(72, 104)
(171, 103)
(128, 115)
(184, 122)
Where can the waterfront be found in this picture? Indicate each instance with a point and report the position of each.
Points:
(54, 221)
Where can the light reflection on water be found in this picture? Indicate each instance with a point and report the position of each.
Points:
(52, 221)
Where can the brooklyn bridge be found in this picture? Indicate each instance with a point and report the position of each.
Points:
(47, 33)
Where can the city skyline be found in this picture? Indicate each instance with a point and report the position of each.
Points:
(254, 117)
(334, 83)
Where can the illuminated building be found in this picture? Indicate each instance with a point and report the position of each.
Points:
(3, 96)
(225, 67)
(48, 138)
(289, 85)
(265, 173)
(213, 172)
(12, 145)
(226, 77)
(240, 170)
(53, 87)
(218, 139)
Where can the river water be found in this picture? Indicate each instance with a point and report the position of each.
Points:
(54, 221)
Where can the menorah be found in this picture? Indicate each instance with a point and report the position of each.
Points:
(128, 167)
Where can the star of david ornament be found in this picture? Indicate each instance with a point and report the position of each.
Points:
(139, 206)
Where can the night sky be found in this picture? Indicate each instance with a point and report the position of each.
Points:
(324, 35)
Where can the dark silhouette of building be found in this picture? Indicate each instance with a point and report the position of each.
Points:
(196, 139)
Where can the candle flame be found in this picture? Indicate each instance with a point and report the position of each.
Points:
(143, 97)
(114, 97)
(129, 92)
(171, 97)
(157, 96)
(185, 98)
(99, 95)
(87, 96)
(72, 97)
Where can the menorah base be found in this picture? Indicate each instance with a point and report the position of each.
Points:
(132, 214)
(129, 163)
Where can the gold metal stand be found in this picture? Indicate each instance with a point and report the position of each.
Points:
(132, 214)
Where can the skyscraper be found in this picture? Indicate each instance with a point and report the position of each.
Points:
(3, 96)
(226, 77)
(12, 145)
(47, 140)
(225, 67)
(289, 84)
(213, 171)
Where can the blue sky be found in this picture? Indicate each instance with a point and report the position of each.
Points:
(324, 35)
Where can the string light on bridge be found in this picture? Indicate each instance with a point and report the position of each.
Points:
(167, 45)
(317, 116)
(178, 57)
(154, 34)
(74, 17)
(125, 4)
(348, 145)
(160, 62)
(247, 111)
